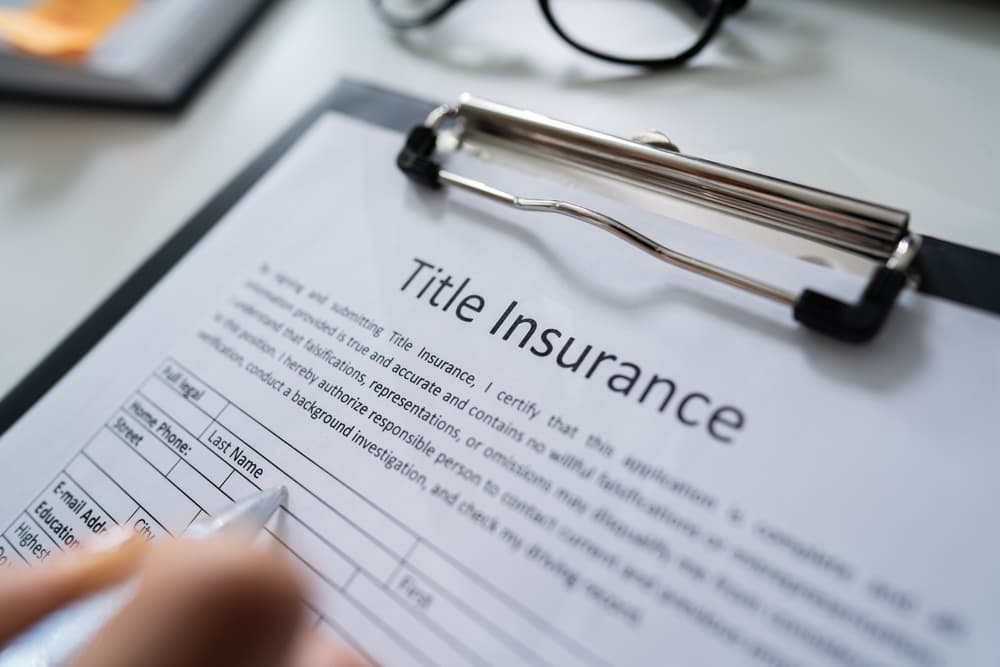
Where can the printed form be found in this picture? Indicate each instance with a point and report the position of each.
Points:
(509, 439)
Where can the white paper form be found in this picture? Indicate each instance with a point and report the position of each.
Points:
(509, 439)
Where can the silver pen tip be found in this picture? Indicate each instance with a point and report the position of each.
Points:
(246, 516)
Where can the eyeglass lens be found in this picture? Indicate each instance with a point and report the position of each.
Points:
(640, 30)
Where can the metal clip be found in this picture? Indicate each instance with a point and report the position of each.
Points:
(878, 230)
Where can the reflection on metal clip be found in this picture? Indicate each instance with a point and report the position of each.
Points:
(838, 221)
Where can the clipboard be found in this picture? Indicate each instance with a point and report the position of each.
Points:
(941, 269)
(100, 337)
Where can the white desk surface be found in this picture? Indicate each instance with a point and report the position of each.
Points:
(891, 101)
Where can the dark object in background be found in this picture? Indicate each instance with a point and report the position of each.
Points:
(706, 7)
(137, 66)
(646, 33)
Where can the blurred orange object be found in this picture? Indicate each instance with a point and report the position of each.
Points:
(55, 28)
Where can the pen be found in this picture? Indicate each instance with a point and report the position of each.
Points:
(56, 639)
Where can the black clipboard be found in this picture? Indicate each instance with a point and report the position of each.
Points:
(948, 270)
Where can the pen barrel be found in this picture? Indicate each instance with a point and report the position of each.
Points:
(55, 640)
(826, 217)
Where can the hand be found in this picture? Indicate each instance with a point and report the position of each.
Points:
(199, 604)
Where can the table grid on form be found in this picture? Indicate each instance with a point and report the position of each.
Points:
(177, 449)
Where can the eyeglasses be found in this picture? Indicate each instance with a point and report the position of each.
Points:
(648, 33)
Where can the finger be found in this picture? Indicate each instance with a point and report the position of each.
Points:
(312, 649)
(29, 594)
(208, 604)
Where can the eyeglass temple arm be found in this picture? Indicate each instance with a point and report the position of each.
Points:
(419, 22)
(850, 322)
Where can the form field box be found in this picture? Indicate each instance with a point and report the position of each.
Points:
(8, 555)
(134, 435)
(142, 482)
(334, 493)
(30, 540)
(357, 546)
(173, 404)
(178, 436)
(490, 643)
(190, 388)
(387, 645)
(101, 489)
(147, 526)
(200, 490)
(75, 507)
(323, 557)
(238, 488)
(444, 649)
(236, 454)
(489, 603)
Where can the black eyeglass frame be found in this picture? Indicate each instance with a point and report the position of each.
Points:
(714, 15)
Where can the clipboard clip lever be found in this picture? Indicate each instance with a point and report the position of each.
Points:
(865, 228)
